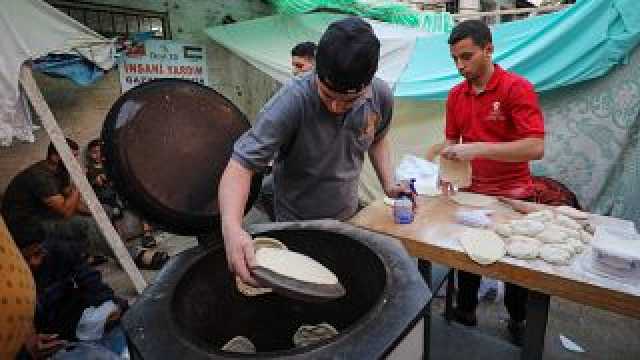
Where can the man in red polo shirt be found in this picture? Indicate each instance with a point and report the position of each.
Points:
(494, 120)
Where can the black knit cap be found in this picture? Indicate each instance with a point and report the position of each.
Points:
(347, 55)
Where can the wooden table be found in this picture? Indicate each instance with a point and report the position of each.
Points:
(433, 237)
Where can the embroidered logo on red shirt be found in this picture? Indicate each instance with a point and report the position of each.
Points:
(496, 113)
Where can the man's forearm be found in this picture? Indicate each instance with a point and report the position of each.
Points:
(233, 194)
(71, 203)
(515, 151)
(380, 156)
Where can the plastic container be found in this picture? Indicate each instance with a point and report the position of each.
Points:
(403, 210)
(615, 254)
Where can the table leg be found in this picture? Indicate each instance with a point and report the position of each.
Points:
(425, 270)
(534, 333)
(448, 309)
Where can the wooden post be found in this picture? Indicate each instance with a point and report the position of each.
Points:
(79, 178)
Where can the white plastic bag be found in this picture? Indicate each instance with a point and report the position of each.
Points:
(91, 324)
(424, 172)
(479, 218)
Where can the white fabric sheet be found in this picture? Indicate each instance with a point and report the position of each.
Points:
(31, 29)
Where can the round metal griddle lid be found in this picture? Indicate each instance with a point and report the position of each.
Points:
(166, 144)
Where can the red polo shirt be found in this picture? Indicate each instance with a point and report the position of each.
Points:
(505, 111)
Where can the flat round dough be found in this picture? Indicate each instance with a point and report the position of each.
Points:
(554, 254)
(571, 212)
(527, 227)
(483, 246)
(294, 265)
(472, 199)
(523, 247)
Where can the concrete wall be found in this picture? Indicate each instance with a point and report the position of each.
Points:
(81, 110)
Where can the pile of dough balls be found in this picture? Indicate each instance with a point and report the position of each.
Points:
(554, 235)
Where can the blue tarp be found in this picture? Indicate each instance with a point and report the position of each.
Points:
(581, 42)
(74, 67)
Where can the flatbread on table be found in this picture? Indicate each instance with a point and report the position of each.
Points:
(483, 246)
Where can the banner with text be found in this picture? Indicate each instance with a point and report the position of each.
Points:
(162, 59)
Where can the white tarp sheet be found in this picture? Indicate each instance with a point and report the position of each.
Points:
(31, 29)
(266, 42)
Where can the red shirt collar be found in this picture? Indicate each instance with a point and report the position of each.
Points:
(498, 71)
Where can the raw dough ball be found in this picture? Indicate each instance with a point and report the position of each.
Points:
(526, 227)
(294, 265)
(483, 246)
(523, 247)
(571, 233)
(552, 234)
(571, 212)
(576, 244)
(504, 230)
(567, 222)
(567, 246)
(471, 199)
(586, 237)
(542, 216)
(555, 254)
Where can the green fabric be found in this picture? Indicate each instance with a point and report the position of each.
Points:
(592, 140)
(386, 11)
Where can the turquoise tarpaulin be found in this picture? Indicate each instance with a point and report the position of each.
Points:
(581, 42)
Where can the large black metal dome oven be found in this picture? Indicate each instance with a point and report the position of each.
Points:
(166, 145)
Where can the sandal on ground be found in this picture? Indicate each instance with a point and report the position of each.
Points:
(95, 260)
(148, 241)
(151, 259)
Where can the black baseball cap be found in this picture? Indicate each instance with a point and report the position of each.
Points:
(347, 55)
